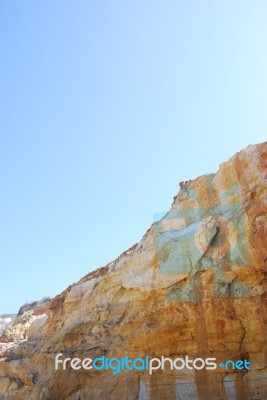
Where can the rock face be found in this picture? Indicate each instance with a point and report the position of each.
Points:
(21, 326)
(195, 286)
(37, 307)
(5, 320)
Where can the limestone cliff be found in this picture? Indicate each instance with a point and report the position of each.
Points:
(194, 285)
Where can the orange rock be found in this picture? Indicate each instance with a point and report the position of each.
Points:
(195, 286)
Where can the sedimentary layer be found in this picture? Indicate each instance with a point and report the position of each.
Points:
(194, 285)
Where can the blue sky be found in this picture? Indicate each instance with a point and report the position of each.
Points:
(105, 107)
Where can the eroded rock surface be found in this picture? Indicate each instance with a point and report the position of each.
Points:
(5, 320)
(194, 285)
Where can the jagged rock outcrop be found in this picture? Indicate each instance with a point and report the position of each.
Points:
(194, 285)
(37, 307)
(30, 318)
(5, 320)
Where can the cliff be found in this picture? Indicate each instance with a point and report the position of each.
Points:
(194, 285)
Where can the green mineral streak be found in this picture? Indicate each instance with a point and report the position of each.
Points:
(178, 252)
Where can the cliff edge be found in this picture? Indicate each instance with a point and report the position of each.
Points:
(194, 285)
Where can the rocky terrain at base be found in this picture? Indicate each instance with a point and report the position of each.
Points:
(196, 284)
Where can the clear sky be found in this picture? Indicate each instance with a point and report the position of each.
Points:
(105, 107)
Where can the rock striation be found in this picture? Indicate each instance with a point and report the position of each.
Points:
(195, 285)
